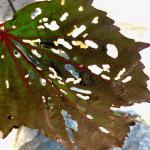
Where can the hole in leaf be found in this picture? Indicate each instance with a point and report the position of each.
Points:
(61, 53)
(77, 31)
(95, 20)
(70, 68)
(95, 69)
(36, 13)
(105, 77)
(121, 72)
(83, 97)
(54, 74)
(36, 53)
(62, 2)
(80, 8)
(91, 44)
(112, 51)
(45, 19)
(63, 91)
(79, 43)
(106, 67)
(2, 56)
(64, 43)
(127, 79)
(64, 16)
(70, 123)
(89, 117)
(43, 82)
(80, 90)
(104, 130)
(17, 54)
(77, 81)
(10, 117)
(53, 26)
(7, 84)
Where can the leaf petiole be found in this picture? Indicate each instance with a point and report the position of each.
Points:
(12, 6)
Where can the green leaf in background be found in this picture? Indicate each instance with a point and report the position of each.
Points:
(58, 74)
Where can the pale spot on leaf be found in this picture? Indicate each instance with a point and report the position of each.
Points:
(62, 2)
(43, 82)
(43, 99)
(60, 82)
(38, 68)
(26, 76)
(7, 84)
(2, 56)
(45, 19)
(14, 27)
(40, 21)
(79, 43)
(80, 8)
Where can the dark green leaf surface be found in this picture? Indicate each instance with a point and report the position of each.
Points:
(38, 90)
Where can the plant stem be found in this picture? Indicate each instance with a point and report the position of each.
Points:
(12, 6)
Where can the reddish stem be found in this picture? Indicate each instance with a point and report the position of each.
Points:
(2, 24)
(23, 55)
(60, 109)
(39, 37)
(20, 72)
(78, 66)
(4, 79)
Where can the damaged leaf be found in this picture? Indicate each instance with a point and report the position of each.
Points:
(63, 66)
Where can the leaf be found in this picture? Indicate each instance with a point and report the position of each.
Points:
(63, 80)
